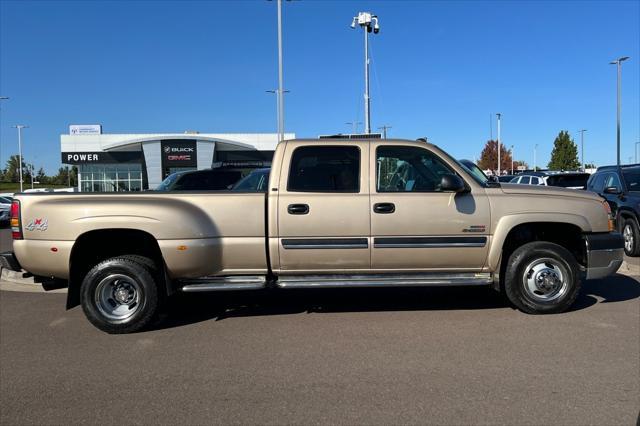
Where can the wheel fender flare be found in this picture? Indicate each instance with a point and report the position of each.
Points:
(507, 223)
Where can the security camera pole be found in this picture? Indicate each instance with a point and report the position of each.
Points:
(367, 22)
(618, 62)
(20, 127)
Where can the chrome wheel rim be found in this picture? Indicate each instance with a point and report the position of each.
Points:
(545, 280)
(627, 233)
(117, 297)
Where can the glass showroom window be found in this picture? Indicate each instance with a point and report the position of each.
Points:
(110, 177)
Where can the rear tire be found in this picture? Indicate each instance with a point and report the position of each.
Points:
(542, 278)
(631, 235)
(120, 295)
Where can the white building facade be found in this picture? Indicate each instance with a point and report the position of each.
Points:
(135, 162)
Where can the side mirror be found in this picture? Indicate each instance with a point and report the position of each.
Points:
(452, 183)
(611, 190)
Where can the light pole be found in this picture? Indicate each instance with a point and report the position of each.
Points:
(354, 126)
(278, 100)
(20, 127)
(367, 22)
(384, 130)
(280, 91)
(535, 152)
(582, 148)
(636, 146)
(618, 62)
(499, 115)
(512, 159)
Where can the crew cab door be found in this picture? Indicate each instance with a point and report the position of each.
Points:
(414, 224)
(323, 208)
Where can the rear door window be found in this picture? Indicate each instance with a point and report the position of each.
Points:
(325, 169)
(525, 180)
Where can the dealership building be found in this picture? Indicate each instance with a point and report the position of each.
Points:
(135, 162)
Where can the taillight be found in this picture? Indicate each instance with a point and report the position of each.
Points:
(16, 229)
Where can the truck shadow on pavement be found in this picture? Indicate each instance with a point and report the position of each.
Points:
(184, 309)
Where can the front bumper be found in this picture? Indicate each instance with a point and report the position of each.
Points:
(605, 253)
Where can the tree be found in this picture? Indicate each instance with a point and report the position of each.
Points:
(42, 177)
(565, 153)
(489, 157)
(11, 171)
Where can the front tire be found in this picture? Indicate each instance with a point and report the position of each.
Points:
(120, 295)
(542, 278)
(631, 235)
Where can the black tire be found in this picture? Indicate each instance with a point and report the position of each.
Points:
(120, 295)
(631, 234)
(542, 278)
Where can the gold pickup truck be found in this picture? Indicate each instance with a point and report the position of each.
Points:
(336, 213)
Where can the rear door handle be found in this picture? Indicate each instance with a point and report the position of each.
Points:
(298, 208)
(384, 208)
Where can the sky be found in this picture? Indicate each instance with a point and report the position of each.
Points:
(439, 69)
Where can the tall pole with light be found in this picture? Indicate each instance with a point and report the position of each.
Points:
(512, 150)
(499, 116)
(618, 62)
(582, 148)
(20, 127)
(368, 22)
(354, 126)
(384, 130)
(535, 152)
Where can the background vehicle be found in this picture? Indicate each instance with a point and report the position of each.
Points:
(5, 209)
(621, 189)
(571, 180)
(200, 180)
(337, 213)
(505, 178)
(257, 181)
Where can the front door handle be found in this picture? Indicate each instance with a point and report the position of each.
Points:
(384, 208)
(298, 208)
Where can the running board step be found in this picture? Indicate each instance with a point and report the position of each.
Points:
(384, 280)
(246, 282)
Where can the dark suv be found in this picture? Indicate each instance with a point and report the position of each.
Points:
(621, 188)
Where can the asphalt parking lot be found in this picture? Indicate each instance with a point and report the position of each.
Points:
(393, 356)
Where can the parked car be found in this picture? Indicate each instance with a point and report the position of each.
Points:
(505, 178)
(256, 181)
(5, 209)
(621, 188)
(571, 180)
(200, 180)
(337, 213)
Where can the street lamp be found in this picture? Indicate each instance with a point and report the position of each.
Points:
(618, 62)
(582, 148)
(20, 127)
(280, 91)
(499, 116)
(384, 130)
(512, 159)
(368, 22)
(278, 100)
(354, 126)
